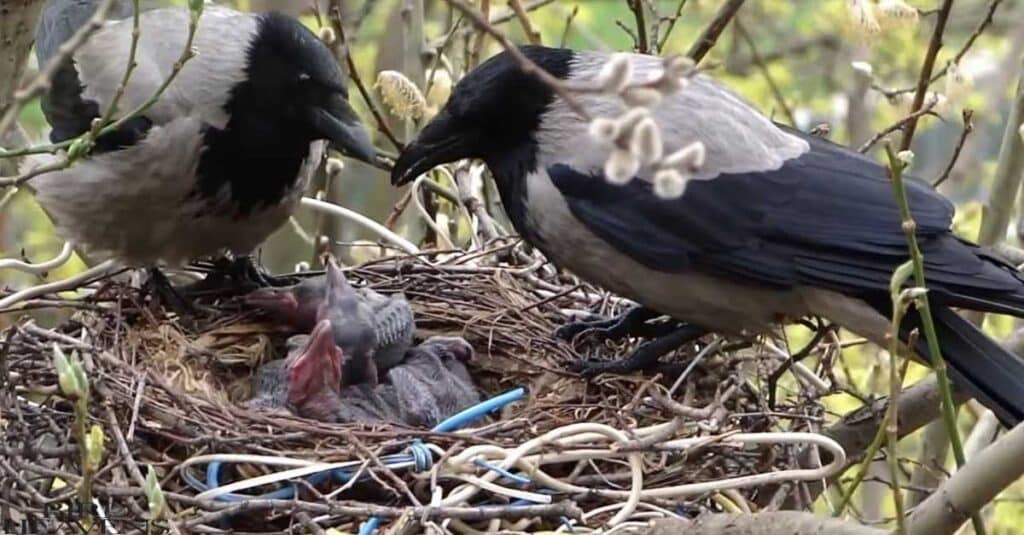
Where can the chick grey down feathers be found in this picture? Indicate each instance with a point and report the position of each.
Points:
(776, 225)
(393, 320)
(431, 384)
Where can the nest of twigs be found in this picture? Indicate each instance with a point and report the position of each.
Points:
(166, 388)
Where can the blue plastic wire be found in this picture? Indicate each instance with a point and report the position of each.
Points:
(417, 456)
(478, 411)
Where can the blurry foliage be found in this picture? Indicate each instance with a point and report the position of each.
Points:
(815, 81)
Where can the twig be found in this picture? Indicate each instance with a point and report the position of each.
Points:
(637, 7)
(532, 35)
(968, 128)
(926, 71)
(108, 115)
(42, 81)
(924, 310)
(525, 64)
(896, 374)
(568, 25)
(978, 30)
(478, 45)
(1009, 172)
(763, 67)
(896, 126)
(353, 72)
(709, 36)
(670, 25)
(971, 487)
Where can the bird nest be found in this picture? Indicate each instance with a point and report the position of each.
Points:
(165, 390)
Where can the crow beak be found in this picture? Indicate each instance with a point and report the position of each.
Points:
(275, 299)
(438, 143)
(338, 123)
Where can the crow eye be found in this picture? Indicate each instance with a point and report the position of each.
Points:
(303, 77)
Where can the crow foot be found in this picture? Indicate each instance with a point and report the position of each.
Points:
(644, 357)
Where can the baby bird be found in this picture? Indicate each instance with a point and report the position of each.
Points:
(299, 304)
(421, 392)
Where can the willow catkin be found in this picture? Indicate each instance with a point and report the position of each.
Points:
(400, 95)
(669, 183)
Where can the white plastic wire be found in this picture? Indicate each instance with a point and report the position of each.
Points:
(574, 442)
(40, 267)
(69, 283)
(360, 219)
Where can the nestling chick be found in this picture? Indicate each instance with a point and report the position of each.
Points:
(352, 321)
(422, 391)
(297, 305)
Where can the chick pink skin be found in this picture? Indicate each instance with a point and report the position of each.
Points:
(295, 305)
(314, 377)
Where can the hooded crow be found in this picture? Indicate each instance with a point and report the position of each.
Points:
(220, 160)
(775, 226)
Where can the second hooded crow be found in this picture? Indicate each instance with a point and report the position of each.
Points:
(220, 160)
(775, 226)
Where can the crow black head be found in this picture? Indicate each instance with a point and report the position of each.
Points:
(492, 114)
(291, 75)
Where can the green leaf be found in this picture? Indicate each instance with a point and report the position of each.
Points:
(899, 277)
(94, 447)
(66, 376)
(154, 494)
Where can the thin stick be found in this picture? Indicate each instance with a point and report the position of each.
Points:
(763, 67)
(532, 35)
(709, 36)
(896, 126)
(642, 44)
(949, 408)
(980, 29)
(926, 71)
(42, 81)
(968, 128)
(525, 64)
(670, 23)
(353, 72)
(568, 25)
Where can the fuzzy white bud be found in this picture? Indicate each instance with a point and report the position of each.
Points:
(862, 19)
(400, 94)
(616, 73)
(645, 97)
(905, 156)
(327, 35)
(893, 14)
(604, 130)
(669, 85)
(621, 167)
(1021, 132)
(334, 166)
(678, 66)
(631, 118)
(645, 143)
(669, 184)
(301, 266)
(863, 68)
(959, 84)
(689, 158)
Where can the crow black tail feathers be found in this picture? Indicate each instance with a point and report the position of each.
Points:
(979, 366)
